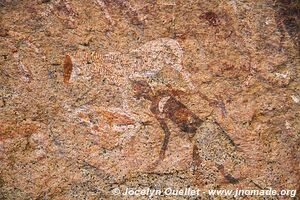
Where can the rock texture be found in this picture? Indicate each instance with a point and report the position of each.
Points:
(89, 90)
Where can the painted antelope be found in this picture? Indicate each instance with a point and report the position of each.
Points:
(164, 106)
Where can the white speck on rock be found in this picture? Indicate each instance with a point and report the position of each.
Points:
(268, 21)
(285, 75)
(287, 125)
(40, 152)
(162, 103)
(295, 98)
(1, 146)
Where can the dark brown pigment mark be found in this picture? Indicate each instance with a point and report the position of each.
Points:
(228, 177)
(65, 8)
(211, 17)
(287, 18)
(128, 10)
(173, 110)
(197, 164)
(68, 67)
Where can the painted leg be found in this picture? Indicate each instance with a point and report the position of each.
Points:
(164, 146)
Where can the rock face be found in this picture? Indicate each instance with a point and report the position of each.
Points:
(99, 94)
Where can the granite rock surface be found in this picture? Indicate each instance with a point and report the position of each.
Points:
(104, 94)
